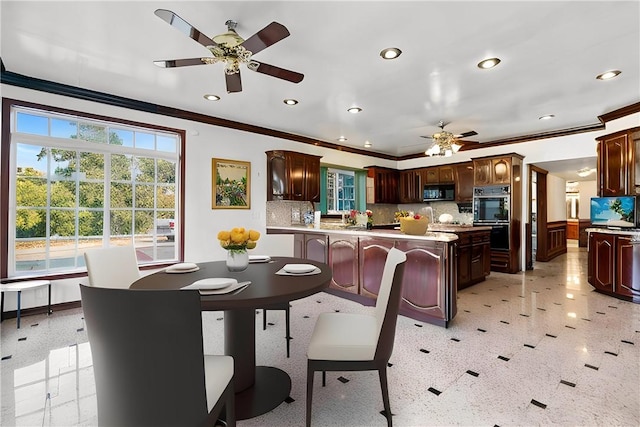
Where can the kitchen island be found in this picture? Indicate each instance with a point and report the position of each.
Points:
(357, 258)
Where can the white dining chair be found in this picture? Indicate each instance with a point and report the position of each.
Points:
(359, 342)
(112, 267)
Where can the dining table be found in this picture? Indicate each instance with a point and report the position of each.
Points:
(259, 389)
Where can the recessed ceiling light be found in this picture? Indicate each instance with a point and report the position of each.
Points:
(488, 63)
(210, 97)
(608, 75)
(367, 144)
(546, 117)
(390, 53)
(354, 110)
(290, 101)
(342, 139)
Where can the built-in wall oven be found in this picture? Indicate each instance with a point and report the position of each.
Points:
(491, 208)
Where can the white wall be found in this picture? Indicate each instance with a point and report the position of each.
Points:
(586, 190)
(556, 199)
(205, 142)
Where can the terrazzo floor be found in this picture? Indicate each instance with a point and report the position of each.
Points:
(534, 348)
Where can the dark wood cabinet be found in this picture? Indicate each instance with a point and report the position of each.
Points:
(343, 259)
(445, 174)
(431, 175)
(464, 182)
(628, 267)
(424, 275)
(618, 163)
(492, 171)
(474, 257)
(313, 246)
(373, 254)
(385, 184)
(614, 264)
(410, 186)
(293, 176)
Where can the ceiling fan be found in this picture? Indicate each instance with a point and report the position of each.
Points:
(446, 143)
(231, 49)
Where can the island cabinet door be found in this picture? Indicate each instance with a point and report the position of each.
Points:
(628, 268)
(423, 284)
(373, 255)
(343, 259)
(602, 253)
(316, 247)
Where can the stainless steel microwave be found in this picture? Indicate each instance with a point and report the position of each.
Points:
(438, 192)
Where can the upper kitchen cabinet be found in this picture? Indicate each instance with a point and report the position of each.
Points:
(293, 176)
(410, 186)
(385, 184)
(437, 175)
(619, 163)
(464, 182)
(492, 171)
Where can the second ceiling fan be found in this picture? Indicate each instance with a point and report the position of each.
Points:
(231, 49)
(446, 143)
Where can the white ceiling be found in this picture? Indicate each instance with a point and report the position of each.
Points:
(550, 52)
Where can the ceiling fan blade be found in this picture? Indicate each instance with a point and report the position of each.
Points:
(466, 134)
(172, 63)
(264, 38)
(274, 71)
(234, 83)
(184, 27)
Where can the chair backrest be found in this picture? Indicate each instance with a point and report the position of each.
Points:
(388, 302)
(113, 267)
(147, 356)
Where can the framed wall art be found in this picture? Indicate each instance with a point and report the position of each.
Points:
(231, 184)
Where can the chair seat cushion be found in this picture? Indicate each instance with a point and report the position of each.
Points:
(344, 336)
(218, 371)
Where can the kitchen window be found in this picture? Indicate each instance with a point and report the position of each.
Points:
(341, 190)
(78, 183)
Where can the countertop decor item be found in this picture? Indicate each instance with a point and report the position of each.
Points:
(414, 225)
(236, 242)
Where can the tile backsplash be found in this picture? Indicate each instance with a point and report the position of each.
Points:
(284, 213)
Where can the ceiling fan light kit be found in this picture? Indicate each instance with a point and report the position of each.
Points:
(445, 143)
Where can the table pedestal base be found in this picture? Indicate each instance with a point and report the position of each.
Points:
(272, 386)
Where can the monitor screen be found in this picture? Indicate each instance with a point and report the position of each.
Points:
(613, 211)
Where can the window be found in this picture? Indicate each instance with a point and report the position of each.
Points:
(78, 183)
(341, 190)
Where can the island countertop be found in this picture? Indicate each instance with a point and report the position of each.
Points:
(437, 236)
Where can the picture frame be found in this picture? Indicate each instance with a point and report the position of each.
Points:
(230, 184)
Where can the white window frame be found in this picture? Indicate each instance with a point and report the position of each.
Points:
(334, 209)
(89, 147)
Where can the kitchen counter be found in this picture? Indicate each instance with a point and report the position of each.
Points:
(624, 232)
(437, 236)
(357, 257)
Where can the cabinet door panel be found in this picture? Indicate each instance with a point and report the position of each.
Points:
(613, 164)
(423, 277)
(464, 182)
(445, 174)
(343, 259)
(603, 261)
(373, 255)
(482, 172)
(316, 247)
(628, 267)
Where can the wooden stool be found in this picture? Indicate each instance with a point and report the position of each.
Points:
(19, 287)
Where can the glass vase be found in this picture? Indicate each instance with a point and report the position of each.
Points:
(237, 260)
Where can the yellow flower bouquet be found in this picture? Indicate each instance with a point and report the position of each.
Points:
(238, 239)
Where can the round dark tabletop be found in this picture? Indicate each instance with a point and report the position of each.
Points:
(266, 286)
